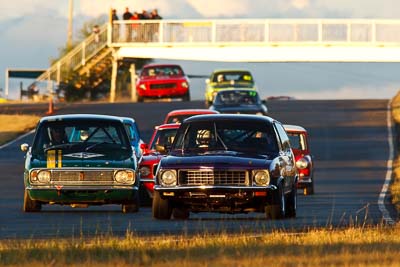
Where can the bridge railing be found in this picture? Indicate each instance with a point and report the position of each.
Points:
(257, 31)
(76, 58)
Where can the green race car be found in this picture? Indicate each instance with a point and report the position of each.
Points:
(227, 79)
(81, 160)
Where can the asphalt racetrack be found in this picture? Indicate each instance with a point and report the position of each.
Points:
(349, 141)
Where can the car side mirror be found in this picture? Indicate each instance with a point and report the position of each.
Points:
(207, 81)
(144, 147)
(24, 147)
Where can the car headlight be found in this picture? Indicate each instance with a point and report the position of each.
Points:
(43, 177)
(261, 177)
(142, 86)
(124, 177)
(168, 178)
(144, 171)
(185, 85)
(302, 163)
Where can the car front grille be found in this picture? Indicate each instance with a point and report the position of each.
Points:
(213, 177)
(163, 86)
(69, 176)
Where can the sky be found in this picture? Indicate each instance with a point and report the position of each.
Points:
(33, 31)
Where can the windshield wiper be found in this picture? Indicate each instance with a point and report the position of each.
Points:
(96, 144)
(69, 145)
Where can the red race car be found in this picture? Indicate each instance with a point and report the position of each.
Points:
(163, 136)
(178, 115)
(304, 161)
(162, 81)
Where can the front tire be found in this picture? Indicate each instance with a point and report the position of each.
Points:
(277, 209)
(31, 205)
(162, 208)
(186, 97)
(291, 203)
(309, 189)
(132, 206)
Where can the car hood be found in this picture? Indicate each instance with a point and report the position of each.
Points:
(216, 159)
(57, 159)
(153, 157)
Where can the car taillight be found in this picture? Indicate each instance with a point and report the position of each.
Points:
(304, 172)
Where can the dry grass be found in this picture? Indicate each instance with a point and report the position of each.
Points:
(379, 246)
(395, 186)
(13, 125)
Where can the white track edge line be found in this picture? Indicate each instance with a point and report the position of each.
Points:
(16, 139)
(388, 178)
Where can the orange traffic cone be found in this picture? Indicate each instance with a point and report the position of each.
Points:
(50, 111)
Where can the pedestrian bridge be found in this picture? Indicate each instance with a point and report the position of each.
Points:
(259, 40)
(228, 40)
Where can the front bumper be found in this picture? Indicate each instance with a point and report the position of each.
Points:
(83, 194)
(219, 198)
(163, 93)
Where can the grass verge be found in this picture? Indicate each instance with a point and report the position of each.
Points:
(12, 126)
(378, 246)
(395, 185)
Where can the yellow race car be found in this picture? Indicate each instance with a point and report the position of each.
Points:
(227, 79)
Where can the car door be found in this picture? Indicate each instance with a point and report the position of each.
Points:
(287, 156)
(134, 137)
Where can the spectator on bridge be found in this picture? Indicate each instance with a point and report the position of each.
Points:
(114, 15)
(144, 15)
(128, 31)
(135, 27)
(115, 27)
(154, 14)
(155, 26)
(96, 32)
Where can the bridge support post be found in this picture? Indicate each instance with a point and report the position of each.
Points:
(113, 79)
(132, 70)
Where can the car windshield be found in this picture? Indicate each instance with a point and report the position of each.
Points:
(232, 77)
(297, 141)
(233, 135)
(162, 71)
(80, 135)
(163, 137)
(237, 97)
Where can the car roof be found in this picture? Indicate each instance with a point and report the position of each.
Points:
(168, 126)
(161, 65)
(293, 128)
(231, 70)
(224, 117)
(128, 119)
(68, 117)
(191, 111)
